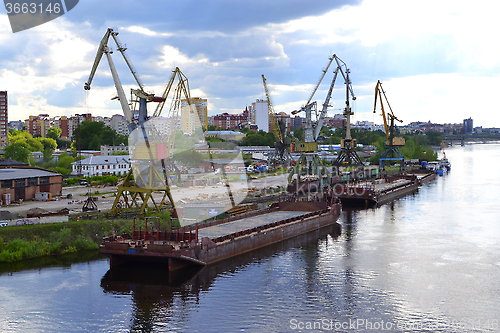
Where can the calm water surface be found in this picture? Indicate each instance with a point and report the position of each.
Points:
(425, 263)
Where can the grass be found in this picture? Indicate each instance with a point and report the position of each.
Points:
(39, 240)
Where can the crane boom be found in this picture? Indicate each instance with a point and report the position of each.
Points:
(122, 49)
(321, 79)
(97, 60)
(311, 134)
(379, 92)
(143, 96)
(119, 89)
(184, 87)
(324, 111)
(272, 115)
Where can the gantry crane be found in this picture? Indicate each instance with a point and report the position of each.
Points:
(391, 152)
(148, 149)
(281, 155)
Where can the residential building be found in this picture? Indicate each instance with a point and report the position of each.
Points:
(16, 125)
(285, 119)
(230, 121)
(468, 125)
(258, 114)
(211, 121)
(37, 126)
(64, 124)
(119, 124)
(194, 117)
(4, 120)
(368, 125)
(102, 165)
(338, 120)
(111, 150)
(298, 122)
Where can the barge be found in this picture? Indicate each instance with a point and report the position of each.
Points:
(382, 190)
(211, 242)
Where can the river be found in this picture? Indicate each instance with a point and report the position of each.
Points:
(428, 262)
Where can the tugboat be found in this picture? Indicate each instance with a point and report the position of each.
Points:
(443, 163)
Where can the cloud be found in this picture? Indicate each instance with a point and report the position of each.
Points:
(420, 50)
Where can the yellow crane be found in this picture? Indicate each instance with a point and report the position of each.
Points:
(281, 154)
(391, 152)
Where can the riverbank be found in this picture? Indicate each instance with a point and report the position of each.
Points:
(33, 241)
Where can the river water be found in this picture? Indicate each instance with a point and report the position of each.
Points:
(428, 262)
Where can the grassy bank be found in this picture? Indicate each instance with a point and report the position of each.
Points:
(32, 241)
(39, 240)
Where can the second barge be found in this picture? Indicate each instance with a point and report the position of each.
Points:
(215, 241)
(382, 190)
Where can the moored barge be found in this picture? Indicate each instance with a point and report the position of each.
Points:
(206, 243)
(382, 190)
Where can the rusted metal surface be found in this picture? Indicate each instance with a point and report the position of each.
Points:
(377, 192)
(246, 223)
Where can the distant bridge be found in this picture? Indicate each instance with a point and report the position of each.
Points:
(462, 138)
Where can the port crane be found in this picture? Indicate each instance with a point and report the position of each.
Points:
(281, 155)
(148, 149)
(391, 152)
(309, 164)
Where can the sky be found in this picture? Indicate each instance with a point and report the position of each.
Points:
(438, 60)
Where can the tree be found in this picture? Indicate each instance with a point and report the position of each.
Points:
(48, 146)
(54, 133)
(190, 157)
(64, 164)
(17, 151)
(26, 139)
(94, 134)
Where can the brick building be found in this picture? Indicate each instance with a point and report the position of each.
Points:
(37, 126)
(230, 121)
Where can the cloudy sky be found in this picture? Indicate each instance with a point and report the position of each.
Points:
(438, 60)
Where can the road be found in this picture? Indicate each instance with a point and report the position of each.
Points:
(179, 194)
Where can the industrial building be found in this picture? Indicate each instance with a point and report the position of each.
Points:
(21, 182)
(226, 135)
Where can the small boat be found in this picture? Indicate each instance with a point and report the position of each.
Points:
(443, 162)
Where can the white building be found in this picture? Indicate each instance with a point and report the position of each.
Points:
(259, 115)
(102, 165)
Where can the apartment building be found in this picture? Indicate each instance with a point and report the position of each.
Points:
(4, 120)
(194, 117)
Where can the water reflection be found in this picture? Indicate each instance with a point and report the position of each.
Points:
(66, 260)
(159, 297)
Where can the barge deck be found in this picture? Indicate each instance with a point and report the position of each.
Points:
(381, 191)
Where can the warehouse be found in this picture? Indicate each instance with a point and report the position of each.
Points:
(21, 183)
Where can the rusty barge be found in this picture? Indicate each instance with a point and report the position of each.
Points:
(207, 243)
(382, 190)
